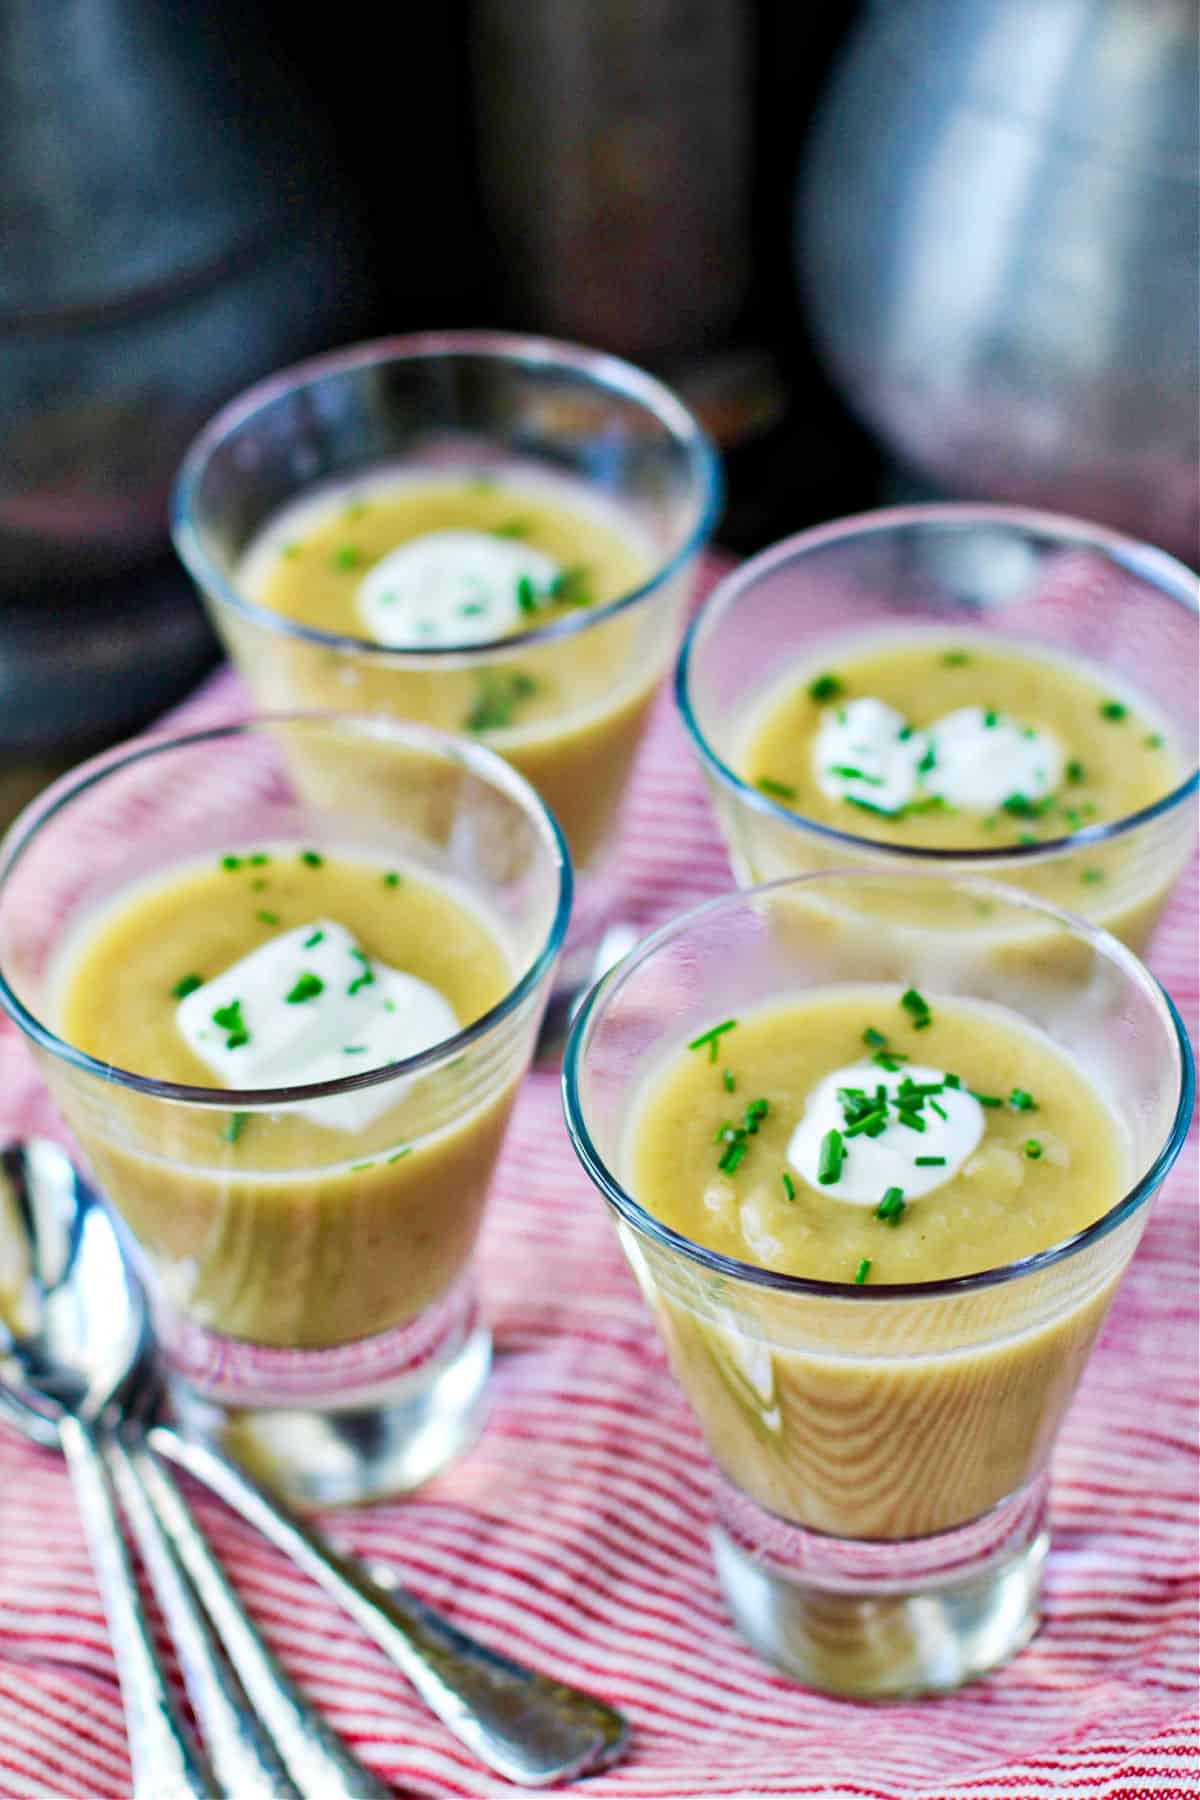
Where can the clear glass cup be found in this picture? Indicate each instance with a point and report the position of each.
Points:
(880, 1451)
(477, 404)
(1072, 589)
(315, 1308)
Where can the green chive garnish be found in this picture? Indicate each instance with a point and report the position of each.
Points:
(862, 1271)
(347, 557)
(927, 762)
(825, 687)
(990, 719)
(1153, 740)
(397, 1154)
(892, 1206)
(307, 987)
(267, 918)
(779, 790)
(391, 879)
(789, 1186)
(235, 1127)
(955, 659)
(710, 1037)
(930, 1162)
(1076, 771)
(526, 596)
(939, 1110)
(354, 1049)
(492, 709)
(230, 1019)
(231, 862)
(1033, 1149)
(310, 943)
(570, 588)
(511, 528)
(728, 1080)
(875, 1039)
(986, 1099)
(917, 1008)
(186, 985)
(312, 859)
(1113, 710)
(889, 1059)
(258, 859)
(833, 1154)
(357, 1168)
(1092, 876)
(1021, 1100)
(869, 806)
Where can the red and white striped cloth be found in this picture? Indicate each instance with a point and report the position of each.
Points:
(573, 1534)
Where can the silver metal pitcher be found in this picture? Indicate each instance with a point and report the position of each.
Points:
(997, 241)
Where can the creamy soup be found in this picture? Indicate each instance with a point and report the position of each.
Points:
(408, 564)
(971, 743)
(872, 1136)
(273, 967)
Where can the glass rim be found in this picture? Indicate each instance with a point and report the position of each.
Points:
(946, 1287)
(596, 366)
(1155, 567)
(476, 758)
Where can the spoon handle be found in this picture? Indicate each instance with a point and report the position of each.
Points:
(165, 1765)
(242, 1754)
(529, 1729)
(319, 1762)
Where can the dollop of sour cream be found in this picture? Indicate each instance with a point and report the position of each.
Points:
(450, 588)
(309, 1005)
(974, 759)
(872, 1165)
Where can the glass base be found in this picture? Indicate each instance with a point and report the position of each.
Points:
(342, 1426)
(884, 1620)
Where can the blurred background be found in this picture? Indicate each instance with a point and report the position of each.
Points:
(908, 249)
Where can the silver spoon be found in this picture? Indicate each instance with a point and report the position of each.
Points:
(532, 1730)
(75, 1362)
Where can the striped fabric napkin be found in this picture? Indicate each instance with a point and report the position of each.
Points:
(574, 1534)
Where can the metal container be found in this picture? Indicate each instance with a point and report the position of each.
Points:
(997, 240)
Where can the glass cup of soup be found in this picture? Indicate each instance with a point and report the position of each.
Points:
(972, 689)
(495, 535)
(285, 1014)
(878, 1187)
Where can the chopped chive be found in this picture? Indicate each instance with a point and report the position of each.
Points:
(187, 984)
(310, 943)
(710, 1038)
(727, 1078)
(778, 789)
(929, 1162)
(730, 1161)
(862, 1271)
(346, 556)
(267, 918)
(884, 812)
(927, 762)
(955, 659)
(990, 719)
(986, 1099)
(492, 709)
(911, 1119)
(312, 859)
(1028, 837)
(848, 772)
(306, 987)
(1033, 1149)
(231, 862)
(570, 587)
(357, 1168)
(1113, 710)
(889, 1059)
(511, 528)
(391, 879)
(868, 1122)
(917, 1008)
(471, 609)
(1076, 771)
(789, 1186)
(833, 1153)
(875, 1039)
(258, 859)
(1091, 876)
(939, 1110)
(235, 1127)
(526, 596)
(1020, 806)
(892, 1206)
(1153, 740)
(397, 1154)
(354, 1049)
(825, 687)
(230, 1019)
(1021, 1100)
